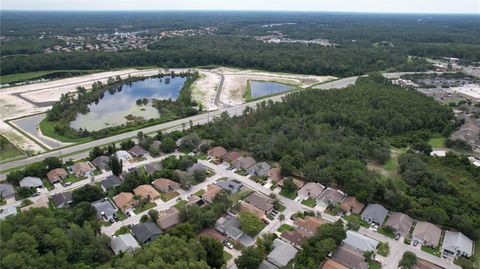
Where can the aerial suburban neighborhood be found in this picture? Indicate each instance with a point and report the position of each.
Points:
(240, 134)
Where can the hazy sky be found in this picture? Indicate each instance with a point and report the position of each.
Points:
(391, 6)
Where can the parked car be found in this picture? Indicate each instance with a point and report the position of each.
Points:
(227, 244)
(397, 237)
(415, 243)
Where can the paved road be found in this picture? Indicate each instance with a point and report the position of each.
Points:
(397, 248)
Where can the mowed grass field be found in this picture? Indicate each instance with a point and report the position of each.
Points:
(38, 74)
(7, 149)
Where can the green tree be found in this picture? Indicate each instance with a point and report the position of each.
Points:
(82, 212)
(409, 259)
(250, 223)
(214, 251)
(115, 165)
(168, 145)
(87, 193)
(251, 257)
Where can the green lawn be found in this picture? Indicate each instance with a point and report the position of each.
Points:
(226, 256)
(288, 193)
(167, 196)
(280, 207)
(240, 195)
(433, 251)
(356, 219)
(72, 178)
(34, 75)
(180, 204)
(386, 232)
(48, 129)
(146, 206)
(437, 141)
(309, 202)
(284, 227)
(383, 249)
(199, 193)
(202, 156)
(374, 265)
(7, 149)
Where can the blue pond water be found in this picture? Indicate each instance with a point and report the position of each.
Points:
(261, 88)
(112, 109)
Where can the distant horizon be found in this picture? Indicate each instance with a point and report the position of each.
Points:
(469, 7)
(236, 11)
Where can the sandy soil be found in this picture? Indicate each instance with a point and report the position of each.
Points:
(235, 83)
(204, 89)
(19, 139)
(472, 90)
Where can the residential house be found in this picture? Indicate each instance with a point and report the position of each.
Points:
(231, 186)
(231, 156)
(427, 234)
(298, 183)
(105, 209)
(282, 253)
(267, 265)
(211, 192)
(41, 202)
(31, 182)
(62, 200)
(138, 151)
(182, 176)
(400, 223)
(216, 152)
(124, 201)
(101, 162)
(165, 185)
(246, 207)
(7, 191)
(82, 169)
(168, 218)
(259, 169)
(56, 175)
(151, 168)
(294, 237)
(155, 145)
(360, 242)
(331, 264)
(260, 201)
(146, 192)
(244, 163)
(331, 196)
(110, 182)
(230, 227)
(146, 232)
(351, 205)
(457, 244)
(310, 190)
(124, 243)
(8, 211)
(123, 155)
(423, 264)
(374, 213)
(274, 174)
(350, 257)
(307, 226)
(196, 167)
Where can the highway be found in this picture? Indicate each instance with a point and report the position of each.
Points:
(173, 125)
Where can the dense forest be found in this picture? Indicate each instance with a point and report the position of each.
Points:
(359, 39)
(330, 137)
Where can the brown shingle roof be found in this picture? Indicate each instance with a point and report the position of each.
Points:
(350, 257)
(427, 233)
(311, 189)
(308, 226)
(350, 204)
(400, 222)
(294, 237)
(231, 156)
(211, 192)
(332, 195)
(169, 218)
(422, 264)
(275, 174)
(260, 201)
(146, 192)
(331, 264)
(165, 185)
(217, 152)
(124, 200)
(56, 175)
(246, 207)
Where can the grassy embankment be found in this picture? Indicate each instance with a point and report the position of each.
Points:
(19, 77)
(8, 150)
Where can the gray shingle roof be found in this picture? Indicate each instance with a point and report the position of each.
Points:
(146, 232)
(31, 182)
(375, 213)
(123, 243)
(457, 243)
(349, 257)
(6, 190)
(231, 185)
(360, 242)
(282, 253)
(104, 206)
(62, 199)
(101, 162)
(110, 182)
(259, 169)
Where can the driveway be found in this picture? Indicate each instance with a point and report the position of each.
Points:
(397, 248)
